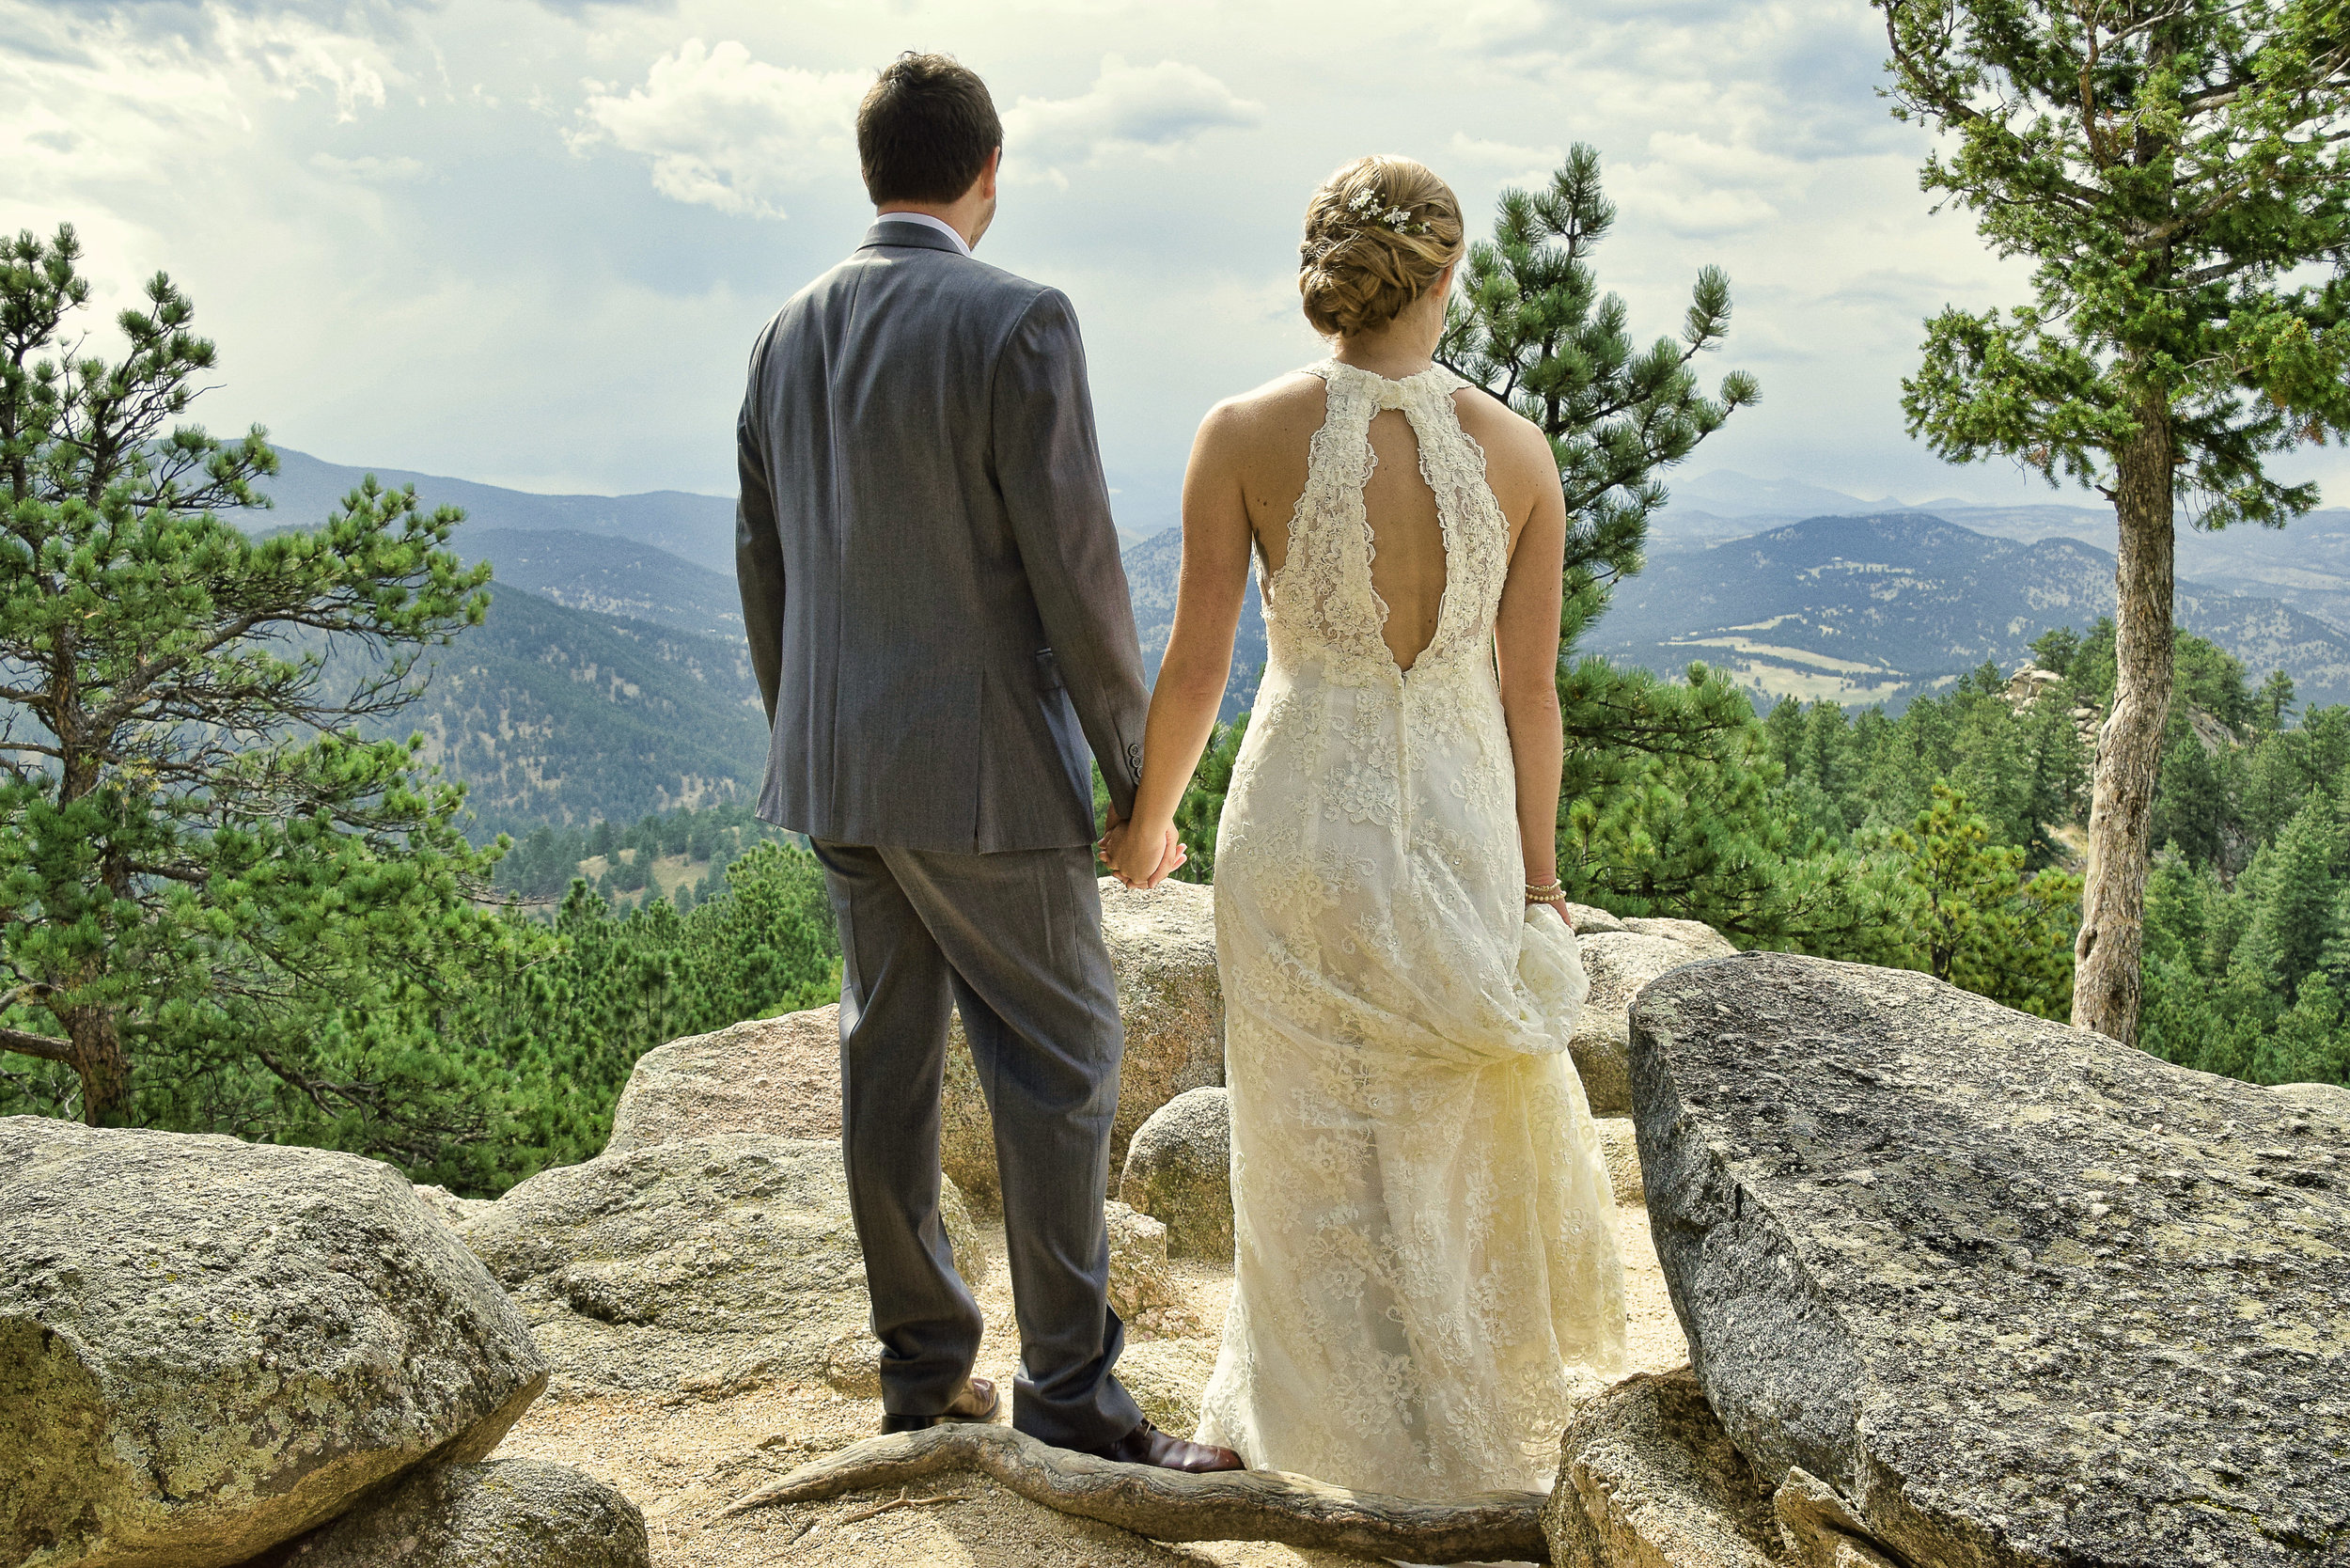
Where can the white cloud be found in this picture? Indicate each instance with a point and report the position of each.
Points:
(366, 167)
(1514, 165)
(725, 130)
(1149, 111)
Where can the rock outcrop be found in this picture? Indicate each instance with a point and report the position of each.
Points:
(507, 1514)
(1141, 1283)
(1178, 1171)
(1618, 963)
(2016, 1294)
(1163, 949)
(209, 1346)
(704, 1265)
(1648, 1479)
(780, 1077)
(452, 1209)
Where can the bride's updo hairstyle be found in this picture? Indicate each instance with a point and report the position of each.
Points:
(1377, 233)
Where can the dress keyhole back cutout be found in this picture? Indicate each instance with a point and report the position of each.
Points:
(1407, 540)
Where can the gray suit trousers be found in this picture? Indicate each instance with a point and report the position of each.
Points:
(1013, 940)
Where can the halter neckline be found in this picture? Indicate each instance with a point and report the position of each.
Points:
(1434, 370)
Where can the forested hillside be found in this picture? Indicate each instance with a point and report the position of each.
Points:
(551, 715)
(611, 576)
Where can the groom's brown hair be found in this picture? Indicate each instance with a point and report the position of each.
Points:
(925, 130)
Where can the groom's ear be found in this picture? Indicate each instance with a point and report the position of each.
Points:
(986, 182)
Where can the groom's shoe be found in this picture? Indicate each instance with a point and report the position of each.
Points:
(1147, 1445)
(979, 1401)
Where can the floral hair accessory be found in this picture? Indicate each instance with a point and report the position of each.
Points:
(1370, 207)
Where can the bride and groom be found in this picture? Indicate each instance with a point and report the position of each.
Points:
(1426, 1275)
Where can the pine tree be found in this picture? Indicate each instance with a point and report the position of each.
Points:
(2273, 702)
(208, 883)
(2169, 166)
(1670, 801)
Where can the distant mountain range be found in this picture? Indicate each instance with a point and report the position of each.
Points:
(1153, 569)
(611, 678)
(610, 576)
(698, 530)
(1881, 608)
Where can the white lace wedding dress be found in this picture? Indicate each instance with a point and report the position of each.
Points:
(1428, 1274)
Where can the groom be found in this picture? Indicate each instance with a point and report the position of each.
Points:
(941, 632)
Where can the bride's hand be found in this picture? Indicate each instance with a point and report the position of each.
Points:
(1558, 909)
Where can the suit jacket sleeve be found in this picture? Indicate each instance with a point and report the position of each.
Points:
(1049, 468)
(758, 550)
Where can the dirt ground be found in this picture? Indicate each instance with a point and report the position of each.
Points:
(681, 1458)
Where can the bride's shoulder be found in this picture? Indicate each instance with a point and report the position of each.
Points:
(1292, 389)
(1505, 434)
(1268, 411)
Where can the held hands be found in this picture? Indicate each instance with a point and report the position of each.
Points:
(1140, 858)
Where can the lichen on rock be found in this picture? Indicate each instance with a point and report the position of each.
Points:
(209, 1346)
(2018, 1293)
(506, 1514)
(1179, 1170)
(704, 1265)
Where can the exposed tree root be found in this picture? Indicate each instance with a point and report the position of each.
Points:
(1168, 1505)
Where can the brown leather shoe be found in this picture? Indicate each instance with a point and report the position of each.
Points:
(1147, 1445)
(977, 1402)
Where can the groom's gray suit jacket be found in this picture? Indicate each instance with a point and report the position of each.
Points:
(930, 582)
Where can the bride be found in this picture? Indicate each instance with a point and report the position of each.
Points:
(1427, 1274)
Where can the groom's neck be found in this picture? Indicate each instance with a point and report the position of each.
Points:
(967, 218)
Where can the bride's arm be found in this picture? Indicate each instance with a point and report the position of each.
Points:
(1527, 638)
(1198, 661)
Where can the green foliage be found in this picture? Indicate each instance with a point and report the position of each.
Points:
(2169, 168)
(1668, 805)
(2249, 979)
(571, 1027)
(218, 905)
(1981, 923)
(1200, 812)
(1673, 805)
(1858, 777)
(1528, 323)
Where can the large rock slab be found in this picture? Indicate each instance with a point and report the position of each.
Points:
(1648, 1479)
(507, 1514)
(703, 1265)
(1618, 963)
(209, 1346)
(1162, 947)
(780, 1077)
(1178, 1171)
(2018, 1295)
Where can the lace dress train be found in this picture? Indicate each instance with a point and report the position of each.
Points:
(1427, 1266)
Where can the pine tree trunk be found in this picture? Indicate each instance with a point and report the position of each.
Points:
(2106, 984)
(103, 1065)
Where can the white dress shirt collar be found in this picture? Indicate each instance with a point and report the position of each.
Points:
(940, 224)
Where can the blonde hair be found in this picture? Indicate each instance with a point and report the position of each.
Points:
(1377, 234)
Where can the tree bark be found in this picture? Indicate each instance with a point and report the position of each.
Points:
(104, 1067)
(2107, 986)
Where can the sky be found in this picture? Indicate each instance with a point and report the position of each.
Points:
(530, 243)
